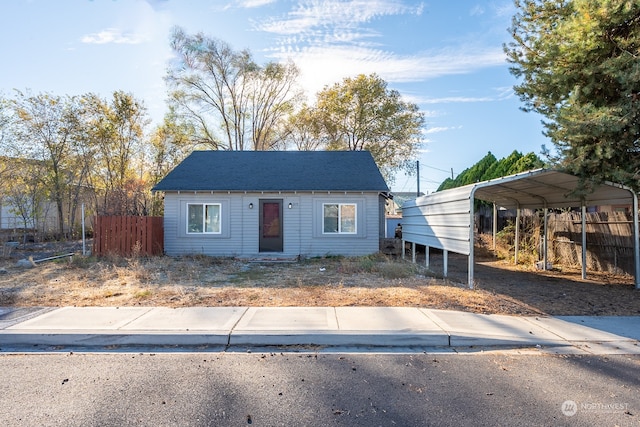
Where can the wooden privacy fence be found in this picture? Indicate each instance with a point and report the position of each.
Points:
(609, 240)
(128, 235)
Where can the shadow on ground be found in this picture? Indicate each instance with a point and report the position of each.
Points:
(561, 291)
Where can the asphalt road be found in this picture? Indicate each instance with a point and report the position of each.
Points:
(306, 389)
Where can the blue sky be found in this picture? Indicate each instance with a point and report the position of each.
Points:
(445, 56)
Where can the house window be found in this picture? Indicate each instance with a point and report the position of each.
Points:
(339, 218)
(203, 218)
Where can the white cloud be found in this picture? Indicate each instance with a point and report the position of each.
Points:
(455, 99)
(249, 4)
(317, 17)
(333, 39)
(157, 3)
(476, 10)
(113, 35)
(438, 129)
(503, 93)
(326, 65)
(506, 9)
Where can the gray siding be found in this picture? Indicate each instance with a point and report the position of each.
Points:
(302, 224)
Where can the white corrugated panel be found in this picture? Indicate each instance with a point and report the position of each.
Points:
(440, 220)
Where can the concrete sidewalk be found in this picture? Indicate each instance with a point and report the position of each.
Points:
(335, 327)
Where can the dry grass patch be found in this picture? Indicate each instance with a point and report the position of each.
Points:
(375, 280)
(206, 281)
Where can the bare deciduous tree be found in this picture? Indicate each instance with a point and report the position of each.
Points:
(232, 103)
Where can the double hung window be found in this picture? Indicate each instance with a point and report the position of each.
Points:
(339, 218)
(203, 218)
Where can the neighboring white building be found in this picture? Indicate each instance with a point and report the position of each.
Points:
(11, 220)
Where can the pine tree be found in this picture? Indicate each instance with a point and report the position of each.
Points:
(578, 62)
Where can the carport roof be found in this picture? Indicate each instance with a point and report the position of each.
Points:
(546, 188)
(445, 219)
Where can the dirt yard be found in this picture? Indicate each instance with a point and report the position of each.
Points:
(501, 288)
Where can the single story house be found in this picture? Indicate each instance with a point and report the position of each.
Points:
(274, 204)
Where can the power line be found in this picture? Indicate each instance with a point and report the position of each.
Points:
(430, 180)
(438, 169)
(406, 182)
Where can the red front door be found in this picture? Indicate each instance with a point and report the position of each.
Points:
(271, 225)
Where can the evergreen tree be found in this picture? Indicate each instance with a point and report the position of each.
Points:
(471, 175)
(577, 61)
(491, 168)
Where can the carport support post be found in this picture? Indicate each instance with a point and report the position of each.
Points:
(413, 252)
(495, 224)
(472, 236)
(445, 263)
(584, 240)
(636, 250)
(402, 242)
(515, 258)
(426, 256)
(545, 240)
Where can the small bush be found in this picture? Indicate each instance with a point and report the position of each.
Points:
(143, 294)
(367, 265)
(81, 261)
(396, 270)
(378, 264)
(529, 237)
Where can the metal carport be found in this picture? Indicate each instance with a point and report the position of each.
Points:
(445, 219)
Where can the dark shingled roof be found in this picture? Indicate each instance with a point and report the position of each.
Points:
(275, 171)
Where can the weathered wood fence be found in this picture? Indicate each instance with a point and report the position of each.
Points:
(128, 235)
(609, 240)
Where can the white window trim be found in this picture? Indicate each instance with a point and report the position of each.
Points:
(355, 218)
(203, 205)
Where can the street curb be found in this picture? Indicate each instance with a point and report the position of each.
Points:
(105, 339)
(338, 339)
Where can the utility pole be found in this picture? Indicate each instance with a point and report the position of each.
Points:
(418, 169)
